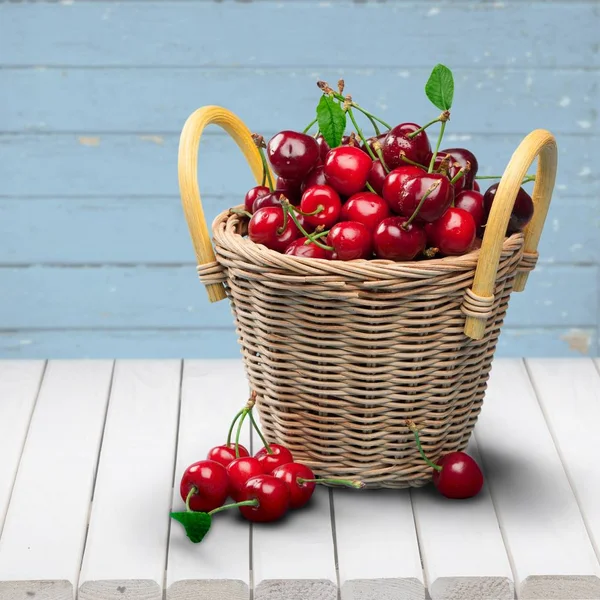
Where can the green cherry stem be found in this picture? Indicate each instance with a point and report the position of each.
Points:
(463, 171)
(230, 433)
(236, 505)
(526, 179)
(260, 434)
(192, 491)
(259, 142)
(416, 211)
(407, 160)
(317, 210)
(313, 122)
(345, 482)
(288, 208)
(240, 211)
(370, 187)
(444, 116)
(364, 111)
(316, 237)
(379, 153)
(437, 147)
(360, 134)
(414, 429)
(238, 433)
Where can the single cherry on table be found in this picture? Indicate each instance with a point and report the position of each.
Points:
(272, 497)
(204, 485)
(239, 471)
(268, 461)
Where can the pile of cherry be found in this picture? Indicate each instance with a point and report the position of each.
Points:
(388, 196)
(266, 486)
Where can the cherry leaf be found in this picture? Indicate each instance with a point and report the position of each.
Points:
(332, 120)
(196, 524)
(440, 87)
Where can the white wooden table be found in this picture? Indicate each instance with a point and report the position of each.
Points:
(90, 450)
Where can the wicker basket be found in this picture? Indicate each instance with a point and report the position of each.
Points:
(340, 354)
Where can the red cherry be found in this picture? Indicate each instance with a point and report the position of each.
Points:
(323, 148)
(350, 241)
(396, 143)
(472, 202)
(453, 233)
(321, 196)
(225, 454)
(392, 185)
(366, 208)
(291, 154)
(273, 498)
(375, 138)
(279, 455)
(265, 228)
(438, 198)
(462, 156)
(239, 471)
(460, 476)
(394, 240)
(315, 177)
(300, 248)
(211, 483)
(347, 169)
(254, 193)
(377, 177)
(300, 492)
(521, 213)
(290, 188)
(270, 199)
(476, 186)
(451, 171)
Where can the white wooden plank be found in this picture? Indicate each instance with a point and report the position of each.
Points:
(126, 547)
(294, 559)
(544, 532)
(219, 567)
(44, 532)
(377, 548)
(463, 552)
(19, 385)
(569, 393)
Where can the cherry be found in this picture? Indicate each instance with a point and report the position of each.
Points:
(265, 227)
(347, 169)
(349, 140)
(300, 491)
(254, 193)
(226, 453)
(460, 476)
(472, 202)
(210, 482)
(315, 177)
(462, 156)
(435, 204)
(350, 240)
(476, 186)
(521, 213)
(291, 154)
(396, 143)
(290, 188)
(366, 208)
(375, 138)
(392, 186)
(270, 199)
(272, 495)
(394, 240)
(453, 233)
(239, 471)
(300, 248)
(268, 461)
(377, 177)
(323, 148)
(321, 197)
(452, 168)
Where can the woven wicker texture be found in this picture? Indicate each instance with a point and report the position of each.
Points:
(341, 354)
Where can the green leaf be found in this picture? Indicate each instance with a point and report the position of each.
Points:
(196, 524)
(440, 87)
(332, 121)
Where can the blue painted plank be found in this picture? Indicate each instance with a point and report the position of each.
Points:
(222, 343)
(130, 230)
(153, 297)
(125, 165)
(191, 33)
(159, 100)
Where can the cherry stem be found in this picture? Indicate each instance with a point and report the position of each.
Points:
(260, 434)
(463, 171)
(310, 125)
(266, 170)
(316, 237)
(193, 490)
(245, 411)
(405, 158)
(360, 134)
(345, 482)
(285, 217)
(527, 178)
(317, 210)
(230, 433)
(380, 156)
(410, 136)
(240, 211)
(370, 187)
(416, 211)
(414, 429)
(437, 147)
(288, 207)
(363, 111)
(236, 505)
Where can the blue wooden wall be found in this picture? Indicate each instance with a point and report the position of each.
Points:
(95, 259)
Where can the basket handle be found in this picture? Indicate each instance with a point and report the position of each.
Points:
(188, 177)
(479, 300)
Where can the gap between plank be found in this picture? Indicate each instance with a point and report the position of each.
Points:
(418, 536)
(336, 560)
(37, 395)
(562, 460)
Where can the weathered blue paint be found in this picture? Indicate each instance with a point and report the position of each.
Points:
(95, 259)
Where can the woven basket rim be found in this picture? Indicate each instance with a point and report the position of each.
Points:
(226, 235)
